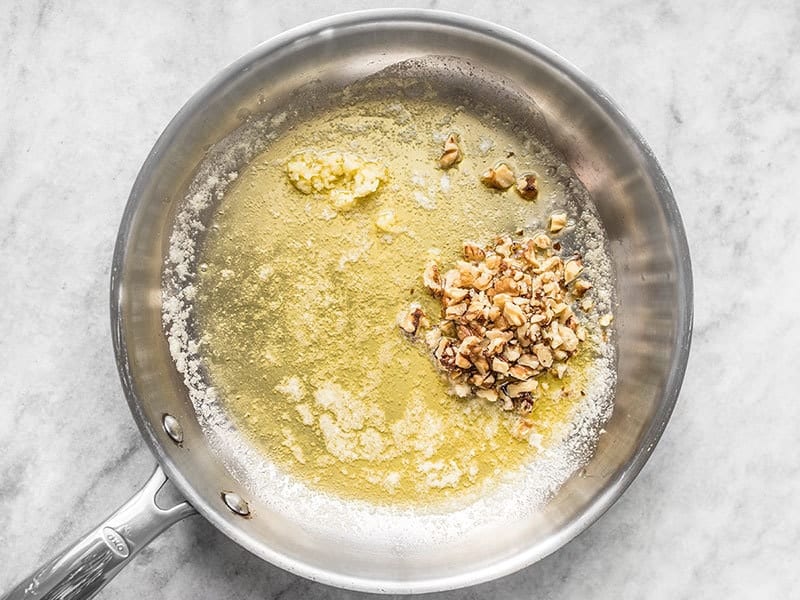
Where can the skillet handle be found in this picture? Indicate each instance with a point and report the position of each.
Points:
(80, 571)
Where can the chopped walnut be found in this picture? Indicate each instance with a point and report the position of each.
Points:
(451, 152)
(520, 372)
(499, 366)
(411, 321)
(488, 395)
(517, 389)
(557, 222)
(473, 253)
(500, 177)
(572, 269)
(454, 294)
(462, 361)
(456, 310)
(543, 354)
(492, 261)
(542, 241)
(526, 187)
(513, 314)
(431, 278)
(507, 319)
(580, 287)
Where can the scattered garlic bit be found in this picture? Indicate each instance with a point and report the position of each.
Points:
(501, 177)
(484, 145)
(341, 176)
(526, 187)
(587, 304)
(451, 152)
(386, 221)
(557, 222)
(605, 320)
(507, 320)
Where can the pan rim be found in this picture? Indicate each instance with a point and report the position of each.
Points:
(680, 350)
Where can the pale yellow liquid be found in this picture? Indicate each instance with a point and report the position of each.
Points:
(297, 310)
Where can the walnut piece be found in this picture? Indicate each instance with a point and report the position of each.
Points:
(542, 241)
(517, 389)
(580, 287)
(431, 278)
(451, 152)
(413, 320)
(557, 222)
(473, 253)
(500, 177)
(572, 269)
(526, 187)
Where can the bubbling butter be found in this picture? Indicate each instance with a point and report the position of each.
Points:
(308, 261)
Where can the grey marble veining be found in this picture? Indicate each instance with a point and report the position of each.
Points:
(713, 86)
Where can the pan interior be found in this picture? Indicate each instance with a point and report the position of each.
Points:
(360, 544)
(239, 270)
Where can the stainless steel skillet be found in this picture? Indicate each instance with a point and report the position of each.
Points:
(654, 316)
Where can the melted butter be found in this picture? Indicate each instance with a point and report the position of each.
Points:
(297, 306)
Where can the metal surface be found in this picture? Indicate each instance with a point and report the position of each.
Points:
(83, 569)
(648, 247)
(236, 503)
(173, 428)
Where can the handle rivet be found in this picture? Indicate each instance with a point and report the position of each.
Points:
(236, 503)
(173, 428)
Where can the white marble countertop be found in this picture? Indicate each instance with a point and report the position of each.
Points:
(713, 86)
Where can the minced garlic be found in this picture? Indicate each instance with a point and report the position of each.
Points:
(341, 176)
